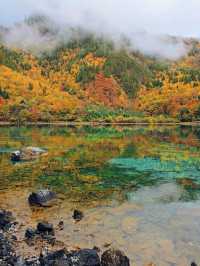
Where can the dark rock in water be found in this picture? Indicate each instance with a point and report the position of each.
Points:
(7, 255)
(30, 233)
(54, 258)
(41, 197)
(113, 257)
(27, 154)
(45, 228)
(6, 220)
(84, 257)
(77, 215)
(34, 261)
(61, 225)
(5, 247)
(16, 156)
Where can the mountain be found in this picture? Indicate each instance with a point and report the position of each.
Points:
(88, 79)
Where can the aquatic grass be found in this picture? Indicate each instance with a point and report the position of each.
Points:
(96, 162)
(99, 133)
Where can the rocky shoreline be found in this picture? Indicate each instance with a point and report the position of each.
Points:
(43, 237)
(50, 251)
(45, 234)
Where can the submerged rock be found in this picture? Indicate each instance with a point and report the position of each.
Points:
(42, 197)
(44, 231)
(6, 220)
(30, 233)
(114, 257)
(83, 257)
(45, 228)
(54, 258)
(27, 154)
(86, 257)
(77, 215)
(61, 225)
(16, 156)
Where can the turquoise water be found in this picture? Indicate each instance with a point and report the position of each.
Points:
(150, 174)
(103, 159)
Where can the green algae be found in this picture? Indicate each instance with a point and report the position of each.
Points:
(98, 161)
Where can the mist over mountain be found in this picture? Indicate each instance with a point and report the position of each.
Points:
(40, 33)
(97, 62)
(147, 24)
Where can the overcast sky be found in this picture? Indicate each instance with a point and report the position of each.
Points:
(175, 17)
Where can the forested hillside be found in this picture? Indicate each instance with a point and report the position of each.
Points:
(89, 79)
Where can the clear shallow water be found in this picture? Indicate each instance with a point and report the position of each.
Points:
(138, 186)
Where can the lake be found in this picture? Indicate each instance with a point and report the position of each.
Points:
(139, 187)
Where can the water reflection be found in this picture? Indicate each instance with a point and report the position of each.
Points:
(95, 161)
(141, 184)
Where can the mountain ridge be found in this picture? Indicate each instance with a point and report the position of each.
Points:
(90, 73)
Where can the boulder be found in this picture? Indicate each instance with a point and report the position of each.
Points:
(27, 154)
(114, 257)
(54, 258)
(42, 198)
(83, 257)
(45, 228)
(77, 215)
(6, 220)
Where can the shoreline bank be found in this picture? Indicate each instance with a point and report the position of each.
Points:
(95, 123)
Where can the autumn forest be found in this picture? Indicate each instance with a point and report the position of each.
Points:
(88, 78)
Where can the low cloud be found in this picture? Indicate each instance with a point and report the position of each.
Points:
(112, 18)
